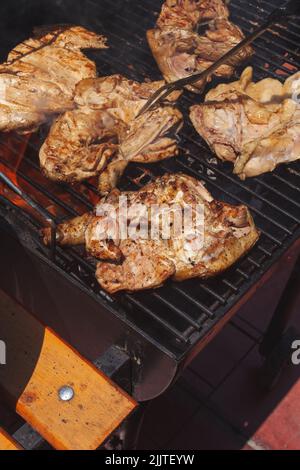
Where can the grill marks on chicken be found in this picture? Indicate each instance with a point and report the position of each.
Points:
(39, 77)
(141, 262)
(254, 125)
(103, 135)
(79, 145)
(181, 50)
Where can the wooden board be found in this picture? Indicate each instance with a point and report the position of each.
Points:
(7, 442)
(39, 363)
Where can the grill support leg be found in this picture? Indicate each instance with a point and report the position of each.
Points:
(132, 428)
(283, 312)
(276, 346)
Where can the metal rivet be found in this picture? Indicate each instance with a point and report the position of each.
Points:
(66, 393)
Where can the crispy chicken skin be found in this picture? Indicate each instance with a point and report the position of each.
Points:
(39, 77)
(103, 135)
(254, 125)
(142, 262)
(181, 50)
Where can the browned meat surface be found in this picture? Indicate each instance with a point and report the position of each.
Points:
(181, 50)
(254, 125)
(39, 77)
(123, 97)
(140, 261)
(102, 135)
(150, 137)
(187, 14)
(72, 232)
(144, 267)
(80, 144)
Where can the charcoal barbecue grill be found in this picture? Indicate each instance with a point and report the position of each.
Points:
(160, 330)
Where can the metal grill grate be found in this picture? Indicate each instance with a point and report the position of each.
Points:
(178, 315)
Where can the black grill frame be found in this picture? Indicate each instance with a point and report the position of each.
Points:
(178, 316)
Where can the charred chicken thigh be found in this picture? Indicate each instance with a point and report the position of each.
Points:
(254, 125)
(180, 49)
(39, 77)
(141, 260)
(103, 134)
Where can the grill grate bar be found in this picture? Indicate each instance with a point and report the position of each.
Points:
(263, 250)
(66, 188)
(242, 273)
(276, 191)
(232, 286)
(249, 12)
(166, 325)
(267, 10)
(262, 44)
(255, 263)
(38, 187)
(254, 209)
(258, 196)
(197, 303)
(288, 183)
(178, 311)
(212, 292)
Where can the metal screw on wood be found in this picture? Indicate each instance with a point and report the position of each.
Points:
(66, 393)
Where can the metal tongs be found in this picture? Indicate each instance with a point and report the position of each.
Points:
(37, 207)
(290, 9)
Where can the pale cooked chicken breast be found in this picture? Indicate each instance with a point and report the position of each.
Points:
(103, 134)
(144, 261)
(39, 77)
(181, 50)
(123, 97)
(253, 125)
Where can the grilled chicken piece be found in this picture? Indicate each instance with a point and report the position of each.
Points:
(102, 135)
(72, 232)
(145, 257)
(80, 144)
(144, 267)
(180, 50)
(39, 77)
(187, 14)
(254, 125)
(123, 97)
(150, 137)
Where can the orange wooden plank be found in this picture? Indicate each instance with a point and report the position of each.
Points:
(7, 442)
(39, 363)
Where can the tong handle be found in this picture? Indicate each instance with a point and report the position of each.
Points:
(36, 206)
